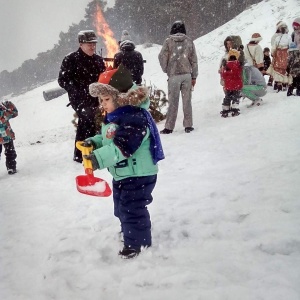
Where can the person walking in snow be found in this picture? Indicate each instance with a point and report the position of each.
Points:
(8, 111)
(178, 58)
(254, 85)
(129, 146)
(279, 50)
(293, 69)
(130, 58)
(254, 53)
(78, 70)
(233, 83)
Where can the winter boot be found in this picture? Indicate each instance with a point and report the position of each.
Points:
(279, 87)
(166, 131)
(128, 252)
(298, 92)
(257, 102)
(11, 171)
(235, 112)
(188, 129)
(275, 87)
(284, 87)
(224, 113)
(290, 91)
(270, 82)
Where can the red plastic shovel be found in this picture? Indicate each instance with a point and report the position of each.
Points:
(88, 184)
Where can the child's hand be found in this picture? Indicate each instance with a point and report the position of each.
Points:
(93, 160)
(88, 143)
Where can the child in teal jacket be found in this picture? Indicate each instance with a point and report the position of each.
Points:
(8, 111)
(129, 146)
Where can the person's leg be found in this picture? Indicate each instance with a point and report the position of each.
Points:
(226, 104)
(174, 84)
(235, 103)
(0, 150)
(86, 128)
(254, 92)
(133, 200)
(186, 93)
(11, 156)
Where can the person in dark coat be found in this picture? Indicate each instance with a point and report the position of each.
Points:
(130, 58)
(267, 62)
(78, 70)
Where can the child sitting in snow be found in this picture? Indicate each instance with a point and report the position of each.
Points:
(293, 69)
(129, 146)
(233, 83)
(8, 111)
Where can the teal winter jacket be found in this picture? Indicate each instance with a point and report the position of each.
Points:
(124, 145)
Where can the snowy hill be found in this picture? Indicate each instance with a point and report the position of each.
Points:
(226, 211)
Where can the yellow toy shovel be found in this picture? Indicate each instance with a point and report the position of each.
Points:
(88, 184)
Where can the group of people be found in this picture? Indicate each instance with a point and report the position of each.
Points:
(129, 144)
(242, 68)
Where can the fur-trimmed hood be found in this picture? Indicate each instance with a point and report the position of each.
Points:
(136, 96)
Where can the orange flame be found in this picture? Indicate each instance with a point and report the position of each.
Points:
(106, 33)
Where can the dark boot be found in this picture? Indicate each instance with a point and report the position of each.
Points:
(290, 91)
(275, 86)
(166, 131)
(235, 112)
(224, 113)
(128, 252)
(279, 87)
(270, 82)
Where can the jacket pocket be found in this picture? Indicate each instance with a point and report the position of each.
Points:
(124, 168)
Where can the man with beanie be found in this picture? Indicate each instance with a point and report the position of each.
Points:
(178, 59)
(130, 58)
(78, 70)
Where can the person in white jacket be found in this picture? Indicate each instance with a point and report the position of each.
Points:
(254, 52)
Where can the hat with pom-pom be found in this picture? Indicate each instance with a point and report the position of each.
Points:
(117, 83)
(234, 53)
(256, 37)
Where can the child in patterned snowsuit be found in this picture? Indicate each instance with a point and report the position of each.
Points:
(7, 111)
(129, 146)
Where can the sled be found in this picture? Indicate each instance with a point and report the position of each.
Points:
(88, 184)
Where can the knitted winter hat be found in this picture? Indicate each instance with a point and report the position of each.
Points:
(117, 82)
(256, 37)
(233, 52)
(296, 23)
(125, 36)
(178, 27)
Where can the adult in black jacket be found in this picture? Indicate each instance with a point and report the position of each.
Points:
(130, 58)
(78, 70)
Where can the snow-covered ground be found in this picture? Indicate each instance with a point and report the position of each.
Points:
(226, 210)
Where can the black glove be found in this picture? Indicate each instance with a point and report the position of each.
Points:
(86, 112)
(88, 143)
(93, 160)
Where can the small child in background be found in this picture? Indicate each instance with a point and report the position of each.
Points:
(129, 146)
(233, 83)
(293, 69)
(7, 111)
(267, 63)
